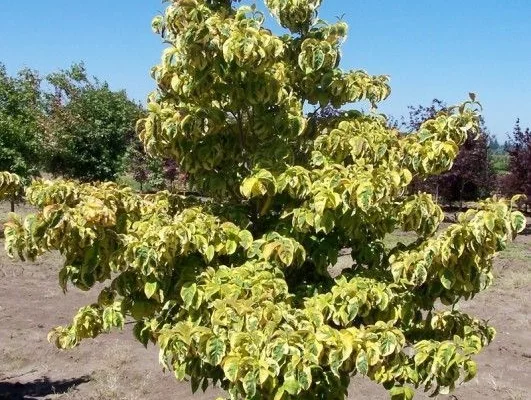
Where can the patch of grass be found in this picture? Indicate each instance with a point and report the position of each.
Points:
(12, 360)
(127, 180)
(513, 276)
(500, 162)
(392, 239)
(514, 266)
(516, 251)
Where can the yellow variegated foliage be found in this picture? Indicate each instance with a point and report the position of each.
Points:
(10, 185)
(235, 287)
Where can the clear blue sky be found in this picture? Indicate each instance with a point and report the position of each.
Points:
(442, 49)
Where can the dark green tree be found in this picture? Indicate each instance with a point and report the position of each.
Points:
(494, 145)
(88, 126)
(20, 128)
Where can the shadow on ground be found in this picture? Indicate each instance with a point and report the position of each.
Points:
(37, 389)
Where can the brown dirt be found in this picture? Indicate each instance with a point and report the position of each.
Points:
(116, 367)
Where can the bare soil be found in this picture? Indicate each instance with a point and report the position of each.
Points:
(116, 367)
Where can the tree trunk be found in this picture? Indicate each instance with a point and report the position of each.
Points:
(12, 201)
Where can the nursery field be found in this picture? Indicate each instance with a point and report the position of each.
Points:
(116, 367)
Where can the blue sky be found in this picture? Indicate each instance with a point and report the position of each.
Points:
(442, 49)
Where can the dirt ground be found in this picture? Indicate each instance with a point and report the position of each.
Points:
(116, 367)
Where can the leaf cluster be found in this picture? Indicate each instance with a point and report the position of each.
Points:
(472, 175)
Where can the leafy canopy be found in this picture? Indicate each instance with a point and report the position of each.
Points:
(88, 126)
(234, 288)
(472, 174)
(20, 117)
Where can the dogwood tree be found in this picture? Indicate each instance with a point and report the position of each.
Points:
(235, 287)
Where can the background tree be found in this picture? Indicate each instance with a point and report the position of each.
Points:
(87, 127)
(518, 179)
(20, 129)
(472, 175)
(138, 163)
(151, 172)
(236, 289)
(494, 145)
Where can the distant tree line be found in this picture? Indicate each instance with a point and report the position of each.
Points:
(72, 125)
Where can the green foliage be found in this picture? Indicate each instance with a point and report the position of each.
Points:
(79, 128)
(500, 162)
(234, 287)
(20, 117)
(88, 126)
